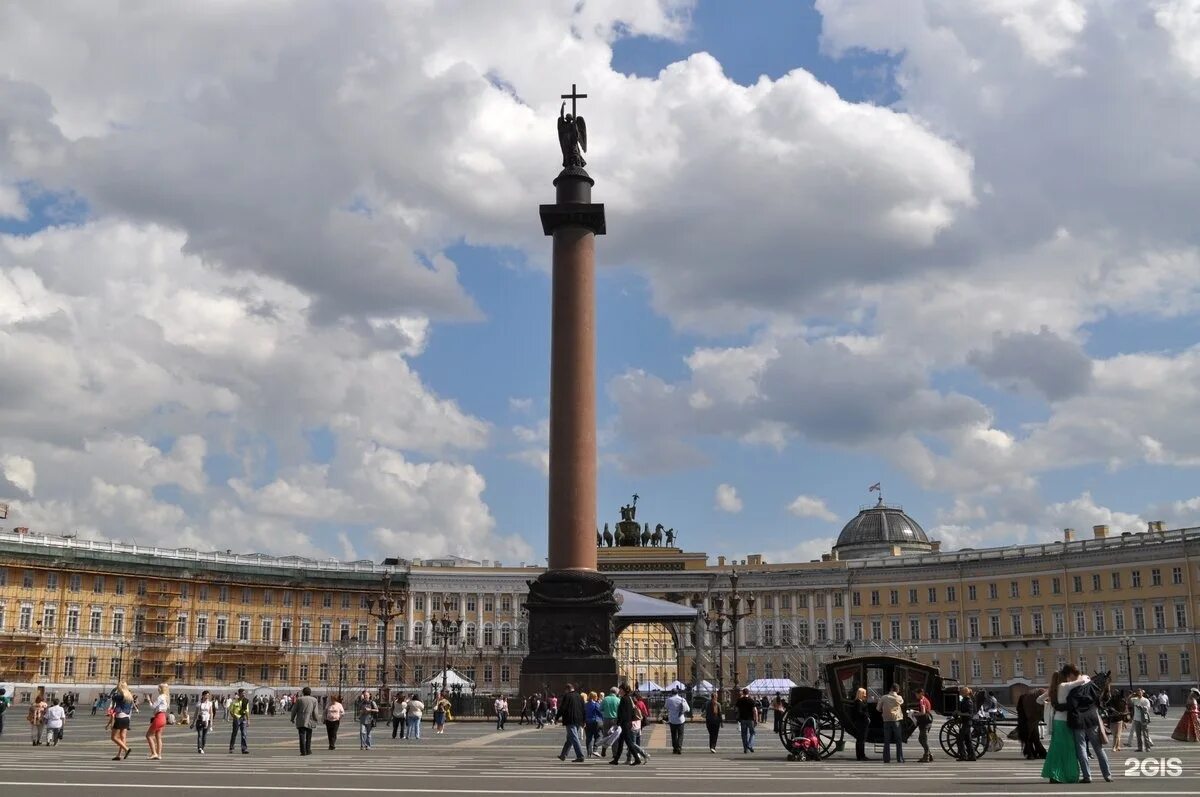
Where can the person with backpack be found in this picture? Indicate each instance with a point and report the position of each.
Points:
(1083, 717)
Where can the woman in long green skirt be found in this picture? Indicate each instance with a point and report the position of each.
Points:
(1062, 763)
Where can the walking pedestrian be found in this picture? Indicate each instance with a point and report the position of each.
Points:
(1164, 703)
(924, 719)
(501, 709)
(627, 713)
(37, 717)
(1119, 708)
(158, 720)
(1062, 763)
(572, 713)
(334, 710)
(368, 710)
(714, 718)
(747, 710)
(122, 708)
(677, 711)
(860, 713)
(204, 717)
(594, 724)
(56, 717)
(966, 725)
(415, 709)
(4, 707)
(239, 717)
(305, 715)
(778, 711)
(1188, 729)
(1140, 712)
(891, 709)
(609, 707)
(399, 715)
(1084, 706)
(441, 713)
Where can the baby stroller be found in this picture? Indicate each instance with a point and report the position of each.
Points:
(807, 746)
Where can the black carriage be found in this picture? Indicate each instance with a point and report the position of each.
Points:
(828, 709)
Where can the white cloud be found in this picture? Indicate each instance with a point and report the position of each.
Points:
(726, 499)
(11, 205)
(19, 472)
(811, 506)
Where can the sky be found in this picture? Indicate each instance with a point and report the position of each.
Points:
(272, 276)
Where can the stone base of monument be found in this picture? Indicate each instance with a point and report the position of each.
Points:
(570, 632)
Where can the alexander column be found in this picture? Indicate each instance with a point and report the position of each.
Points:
(571, 605)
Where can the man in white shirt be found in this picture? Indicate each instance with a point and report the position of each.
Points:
(1140, 726)
(677, 711)
(55, 716)
(1163, 703)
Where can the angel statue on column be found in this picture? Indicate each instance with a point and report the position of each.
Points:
(572, 137)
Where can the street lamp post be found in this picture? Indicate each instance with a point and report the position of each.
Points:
(341, 649)
(734, 616)
(910, 651)
(385, 607)
(122, 645)
(1128, 642)
(444, 630)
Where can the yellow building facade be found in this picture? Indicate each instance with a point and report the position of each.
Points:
(77, 615)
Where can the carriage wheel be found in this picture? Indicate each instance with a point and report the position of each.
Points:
(948, 737)
(831, 733)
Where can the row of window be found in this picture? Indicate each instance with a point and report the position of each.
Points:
(993, 589)
(221, 628)
(165, 590)
(281, 673)
(933, 627)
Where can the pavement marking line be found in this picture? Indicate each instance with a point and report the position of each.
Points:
(483, 741)
(572, 793)
(658, 739)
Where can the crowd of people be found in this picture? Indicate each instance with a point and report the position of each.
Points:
(1080, 715)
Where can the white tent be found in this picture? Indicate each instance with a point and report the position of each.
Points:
(680, 685)
(452, 679)
(769, 686)
(649, 686)
(705, 688)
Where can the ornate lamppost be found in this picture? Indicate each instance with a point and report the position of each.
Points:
(385, 607)
(1128, 642)
(714, 624)
(910, 651)
(341, 650)
(734, 616)
(122, 645)
(444, 630)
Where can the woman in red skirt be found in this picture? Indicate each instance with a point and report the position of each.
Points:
(1188, 729)
(154, 733)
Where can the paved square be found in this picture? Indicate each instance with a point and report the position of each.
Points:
(474, 759)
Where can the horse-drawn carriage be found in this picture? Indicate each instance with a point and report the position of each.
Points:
(827, 710)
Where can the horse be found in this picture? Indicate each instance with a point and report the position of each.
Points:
(656, 537)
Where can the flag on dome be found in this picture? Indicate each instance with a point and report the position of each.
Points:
(874, 488)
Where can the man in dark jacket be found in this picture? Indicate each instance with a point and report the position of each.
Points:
(625, 714)
(1083, 706)
(572, 715)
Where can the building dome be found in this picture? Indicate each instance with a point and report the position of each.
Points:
(880, 530)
